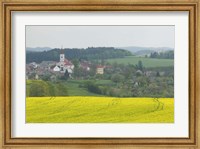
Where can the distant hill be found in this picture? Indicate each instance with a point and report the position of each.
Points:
(38, 49)
(141, 51)
(90, 53)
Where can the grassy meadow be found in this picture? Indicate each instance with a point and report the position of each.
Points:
(147, 62)
(83, 109)
(69, 88)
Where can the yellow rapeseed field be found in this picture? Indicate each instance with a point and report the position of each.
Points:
(81, 109)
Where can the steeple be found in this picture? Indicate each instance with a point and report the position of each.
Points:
(62, 59)
(61, 50)
(62, 55)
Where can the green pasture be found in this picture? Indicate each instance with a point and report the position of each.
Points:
(65, 88)
(147, 62)
(83, 109)
(73, 88)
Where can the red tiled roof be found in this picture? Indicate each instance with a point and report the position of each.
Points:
(108, 66)
(100, 66)
(84, 65)
(67, 62)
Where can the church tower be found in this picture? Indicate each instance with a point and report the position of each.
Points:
(62, 60)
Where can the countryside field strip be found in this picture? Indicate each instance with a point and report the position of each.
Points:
(147, 62)
(83, 109)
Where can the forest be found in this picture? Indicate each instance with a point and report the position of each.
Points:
(90, 53)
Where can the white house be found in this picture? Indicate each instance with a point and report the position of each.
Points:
(100, 70)
(56, 68)
(70, 71)
(34, 65)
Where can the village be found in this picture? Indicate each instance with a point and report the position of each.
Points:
(56, 70)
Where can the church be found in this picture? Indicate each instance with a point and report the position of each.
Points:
(64, 64)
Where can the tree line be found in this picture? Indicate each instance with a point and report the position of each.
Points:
(40, 88)
(162, 55)
(75, 53)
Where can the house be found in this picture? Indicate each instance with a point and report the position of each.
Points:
(100, 70)
(136, 84)
(68, 64)
(34, 65)
(47, 64)
(148, 73)
(56, 68)
(36, 76)
(85, 65)
(70, 71)
(28, 69)
(31, 67)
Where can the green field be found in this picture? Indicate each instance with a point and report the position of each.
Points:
(147, 62)
(65, 88)
(74, 89)
(80, 109)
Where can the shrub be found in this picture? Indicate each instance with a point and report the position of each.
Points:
(39, 88)
(92, 87)
(117, 78)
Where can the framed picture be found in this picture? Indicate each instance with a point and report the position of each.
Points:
(100, 74)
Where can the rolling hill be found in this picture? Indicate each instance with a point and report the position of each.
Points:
(37, 49)
(141, 51)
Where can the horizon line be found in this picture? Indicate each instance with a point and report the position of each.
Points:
(102, 47)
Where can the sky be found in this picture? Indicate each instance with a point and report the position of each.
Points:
(99, 36)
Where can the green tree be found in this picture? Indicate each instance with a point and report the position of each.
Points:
(139, 65)
(117, 78)
(76, 63)
(66, 75)
(157, 74)
(37, 90)
(92, 87)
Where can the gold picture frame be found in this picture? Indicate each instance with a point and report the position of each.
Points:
(192, 6)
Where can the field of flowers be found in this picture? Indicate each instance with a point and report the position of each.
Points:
(81, 109)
